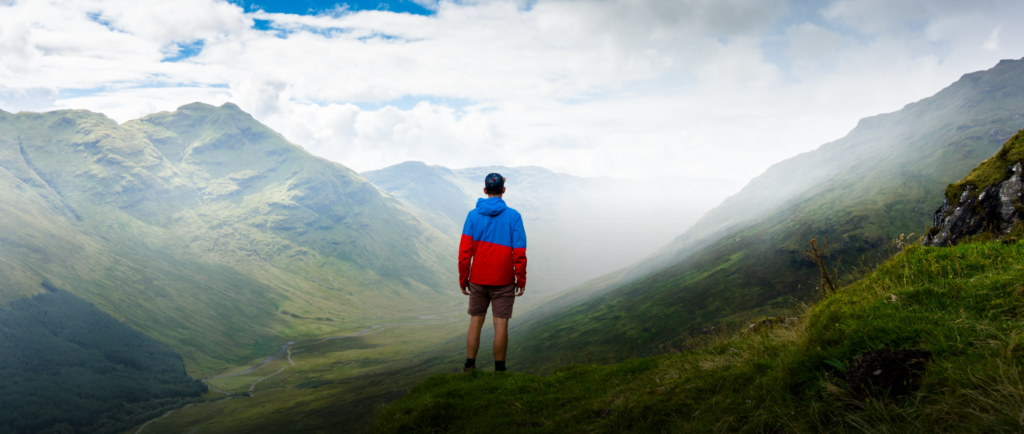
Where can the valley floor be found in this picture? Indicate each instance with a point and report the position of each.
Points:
(330, 384)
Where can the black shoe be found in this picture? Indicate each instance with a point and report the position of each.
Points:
(469, 369)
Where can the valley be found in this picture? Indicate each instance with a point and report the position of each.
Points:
(328, 384)
(308, 296)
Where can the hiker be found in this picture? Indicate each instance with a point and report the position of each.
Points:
(492, 268)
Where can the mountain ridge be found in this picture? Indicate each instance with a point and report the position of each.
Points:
(212, 253)
(883, 177)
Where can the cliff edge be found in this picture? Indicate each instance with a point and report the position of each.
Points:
(987, 200)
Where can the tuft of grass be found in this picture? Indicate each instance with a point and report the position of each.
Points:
(964, 304)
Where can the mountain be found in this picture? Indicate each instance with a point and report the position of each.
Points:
(437, 193)
(746, 256)
(578, 228)
(209, 231)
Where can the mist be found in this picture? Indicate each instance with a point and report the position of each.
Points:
(577, 228)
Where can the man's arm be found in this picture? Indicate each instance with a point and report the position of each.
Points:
(465, 255)
(519, 255)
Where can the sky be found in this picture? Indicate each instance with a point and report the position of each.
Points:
(695, 92)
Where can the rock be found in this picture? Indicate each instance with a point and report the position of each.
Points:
(886, 373)
(764, 323)
(997, 209)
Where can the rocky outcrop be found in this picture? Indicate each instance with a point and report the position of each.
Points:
(997, 208)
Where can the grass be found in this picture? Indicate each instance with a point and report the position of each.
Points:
(335, 384)
(964, 304)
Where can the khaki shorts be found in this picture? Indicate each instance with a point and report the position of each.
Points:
(501, 297)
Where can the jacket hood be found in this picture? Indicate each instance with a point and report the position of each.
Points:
(490, 207)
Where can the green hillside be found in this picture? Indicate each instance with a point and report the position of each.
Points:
(69, 366)
(435, 192)
(209, 231)
(928, 342)
(878, 182)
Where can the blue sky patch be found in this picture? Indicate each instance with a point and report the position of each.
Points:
(97, 18)
(186, 50)
(317, 7)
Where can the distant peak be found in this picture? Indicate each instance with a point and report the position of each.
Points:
(1009, 61)
(196, 106)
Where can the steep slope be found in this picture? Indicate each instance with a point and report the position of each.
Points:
(217, 236)
(436, 193)
(283, 202)
(861, 191)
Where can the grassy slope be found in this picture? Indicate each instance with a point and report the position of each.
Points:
(963, 304)
(219, 254)
(882, 181)
(434, 192)
(67, 362)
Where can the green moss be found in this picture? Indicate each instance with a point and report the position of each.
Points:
(991, 171)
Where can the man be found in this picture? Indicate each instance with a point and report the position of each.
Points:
(492, 268)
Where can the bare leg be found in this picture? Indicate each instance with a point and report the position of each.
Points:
(500, 338)
(473, 336)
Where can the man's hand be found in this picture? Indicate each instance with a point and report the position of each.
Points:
(465, 290)
(520, 290)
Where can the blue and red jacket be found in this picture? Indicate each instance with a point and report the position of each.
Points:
(493, 247)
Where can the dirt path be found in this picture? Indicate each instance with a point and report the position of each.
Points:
(253, 385)
(161, 417)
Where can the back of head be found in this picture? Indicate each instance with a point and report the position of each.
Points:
(494, 183)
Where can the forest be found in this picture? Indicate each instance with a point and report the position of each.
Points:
(68, 367)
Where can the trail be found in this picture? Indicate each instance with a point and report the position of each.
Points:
(253, 385)
(161, 417)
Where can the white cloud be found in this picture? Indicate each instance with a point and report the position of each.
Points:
(629, 88)
(992, 43)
